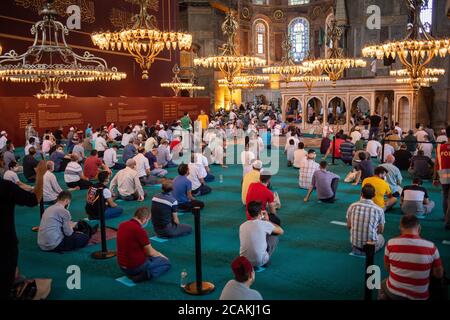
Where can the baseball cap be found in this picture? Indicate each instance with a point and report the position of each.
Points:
(241, 267)
(257, 164)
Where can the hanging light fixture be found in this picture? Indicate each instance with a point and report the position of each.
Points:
(230, 62)
(51, 61)
(176, 85)
(416, 51)
(144, 41)
(336, 63)
(245, 82)
(311, 76)
(287, 69)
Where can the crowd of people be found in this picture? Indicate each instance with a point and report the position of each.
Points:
(90, 160)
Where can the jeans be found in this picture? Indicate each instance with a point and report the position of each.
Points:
(159, 172)
(170, 164)
(70, 243)
(202, 190)
(272, 242)
(111, 213)
(187, 206)
(445, 203)
(153, 267)
(209, 177)
(173, 230)
(148, 180)
(334, 185)
(83, 184)
(131, 197)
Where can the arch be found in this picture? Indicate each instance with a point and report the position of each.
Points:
(293, 107)
(359, 108)
(299, 35)
(328, 44)
(337, 111)
(404, 112)
(334, 97)
(315, 109)
(265, 46)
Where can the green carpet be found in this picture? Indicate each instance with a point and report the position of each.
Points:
(311, 262)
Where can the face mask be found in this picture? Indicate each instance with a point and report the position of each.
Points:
(67, 206)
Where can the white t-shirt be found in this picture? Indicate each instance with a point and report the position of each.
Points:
(73, 172)
(201, 159)
(372, 147)
(3, 141)
(400, 131)
(388, 149)
(126, 139)
(114, 133)
(420, 135)
(11, 176)
(196, 172)
(141, 165)
(427, 149)
(299, 157)
(252, 235)
(246, 159)
(100, 144)
(110, 157)
(107, 194)
(365, 134)
(356, 136)
(51, 187)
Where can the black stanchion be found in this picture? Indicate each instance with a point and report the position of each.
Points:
(41, 213)
(369, 249)
(332, 149)
(104, 253)
(199, 287)
(383, 142)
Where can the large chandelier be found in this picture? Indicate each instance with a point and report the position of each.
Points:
(336, 63)
(310, 77)
(51, 61)
(245, 82)
(229, 62)
(416, 51)
(177, 86)
(287, 69)
(144, 41)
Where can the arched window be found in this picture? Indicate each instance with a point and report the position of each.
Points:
(426, 15)
(297, 2)
(260, 1)
(260, 32)
(299, 36)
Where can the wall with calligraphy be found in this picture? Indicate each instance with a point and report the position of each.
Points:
(15, 112)
(18, 16)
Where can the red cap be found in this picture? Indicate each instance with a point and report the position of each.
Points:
(241, 266)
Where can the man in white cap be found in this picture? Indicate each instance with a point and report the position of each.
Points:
(356, 134)
(251, 177)
(3, 139)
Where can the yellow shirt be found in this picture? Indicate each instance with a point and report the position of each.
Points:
(381, 189)
(203, 118)
(249, 178)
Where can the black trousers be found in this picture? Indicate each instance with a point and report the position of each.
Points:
(8, 267)
(83, 184)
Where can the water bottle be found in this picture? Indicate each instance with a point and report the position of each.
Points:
(183, 278)
(221, 178)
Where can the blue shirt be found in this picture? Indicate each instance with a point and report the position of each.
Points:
(151, 160)
(181, 186)
(57, 157)
(128, 152)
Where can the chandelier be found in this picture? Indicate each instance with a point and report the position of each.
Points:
(287, 69)
(416, 51)
(144, 41)
(311, 76)
(336, 63)
(245, 82)
(229, 62)
(176, 85)
(51, 61)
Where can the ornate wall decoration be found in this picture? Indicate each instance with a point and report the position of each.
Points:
(246, 13)
(150, 4)
(120, 19)
(278, 15)
(317, 12)
(87, 7)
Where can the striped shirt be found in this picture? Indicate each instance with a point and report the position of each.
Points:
(306, 173)
(410, 259)
(364, 217)
(163, 205)
(347, 149)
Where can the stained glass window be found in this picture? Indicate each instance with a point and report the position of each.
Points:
(260, 29)
(299, 36)
(296, 2)
(426, 15)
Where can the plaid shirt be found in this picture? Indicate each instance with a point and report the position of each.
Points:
(306, 172)
(365, 217)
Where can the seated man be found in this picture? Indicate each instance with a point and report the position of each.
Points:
(155, 169)
(249, 178)
(347, 150)
(73, 175)
(93, 206)
(93, 165)
(164, 158)
(364, 168)
(129, 151)
(307, 169)
(143, 169)
(415, 200)
(299, 155)
(325, 182)
(29, 165)
(421, 166)
(128, 185)
(11, 175)
(57, 231)
(60, 159)
(110, 159)
(51, 186)
(164, 214)
(258, 236)
(197, 175)
(239, 287)
(366, 222)
(402, 158)
(203, 160)
(394, 176)
(182, 190)
(135, 255)
(382, 189)
(79, 150)
(411, 261)
(259, 191)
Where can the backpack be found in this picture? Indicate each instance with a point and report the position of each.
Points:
(93, 204)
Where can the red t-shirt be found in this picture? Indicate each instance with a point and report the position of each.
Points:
(91, 167)
(258, 192)
(337, 147)
(131, 240)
